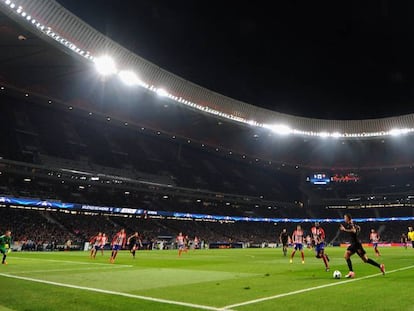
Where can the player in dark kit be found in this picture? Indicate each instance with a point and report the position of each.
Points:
(134, 242)
(404, 240)
(356, 246)
(284, 239)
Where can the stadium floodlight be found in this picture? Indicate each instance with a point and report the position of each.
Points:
(280, 129)
(161, 92)
(323, 134)
(398, 132)
(105, 65)
(336, 134)
(129, 78)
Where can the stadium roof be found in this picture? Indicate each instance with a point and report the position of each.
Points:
(52, 23)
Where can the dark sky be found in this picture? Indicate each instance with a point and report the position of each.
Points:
(325, 59)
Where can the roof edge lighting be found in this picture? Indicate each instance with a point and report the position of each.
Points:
(106, 65)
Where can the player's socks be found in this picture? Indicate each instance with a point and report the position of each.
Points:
(382, 268)
(327, 257)
(325, 261)
(303, 257)
(4, 260)
(349, 263)
(374, 263)
(133, 254)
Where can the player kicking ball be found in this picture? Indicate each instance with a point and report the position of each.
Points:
(356, 246)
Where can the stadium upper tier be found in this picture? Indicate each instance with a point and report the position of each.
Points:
(57, 27)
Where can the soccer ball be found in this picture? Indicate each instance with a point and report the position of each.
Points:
(337, 274)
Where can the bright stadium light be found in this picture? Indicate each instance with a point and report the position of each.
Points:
(323, 134)
(105, 65)
(161, 92)
(336, 135)
(398, 132)
(279, 129)
(129, 78)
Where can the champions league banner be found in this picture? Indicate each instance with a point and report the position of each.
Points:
(11, 201)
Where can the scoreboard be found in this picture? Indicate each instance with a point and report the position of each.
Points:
(319, 179)
(325, 178)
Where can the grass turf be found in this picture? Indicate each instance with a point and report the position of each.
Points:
(209, 279)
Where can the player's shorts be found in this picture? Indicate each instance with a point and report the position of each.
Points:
(3, 250)
(298, 246)
(181, 246)
(96, 247)
(357, 248)
(375, 244)
(116, 247)
(319, 247)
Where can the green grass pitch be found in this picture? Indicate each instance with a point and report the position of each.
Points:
(231, 279)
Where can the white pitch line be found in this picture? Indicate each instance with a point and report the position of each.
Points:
(74, 262)
(64, 270)
(227, 308)
(109, 292)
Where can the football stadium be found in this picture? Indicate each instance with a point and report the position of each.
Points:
(124, 186)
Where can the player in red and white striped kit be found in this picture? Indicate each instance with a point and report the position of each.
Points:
(95, 241)
(374, 239)
(118, 242)
(298, 239)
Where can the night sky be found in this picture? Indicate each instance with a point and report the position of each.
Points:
(323, 59)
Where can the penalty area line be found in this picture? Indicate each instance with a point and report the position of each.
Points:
(110, 292)
(300, 291)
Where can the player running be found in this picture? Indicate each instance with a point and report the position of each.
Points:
(134, 242)
(356, 246)
(181, 244)
(318, 235)
(404, 240)
(102, 243)
(118, 242)
(374, 239)
(309, 244)
(95, 241)
(5, 245)
(196, 243)
(284, 239)
(297, 238)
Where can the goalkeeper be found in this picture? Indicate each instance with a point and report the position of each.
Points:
(5, 245)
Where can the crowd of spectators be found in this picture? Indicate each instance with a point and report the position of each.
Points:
(46, 230)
